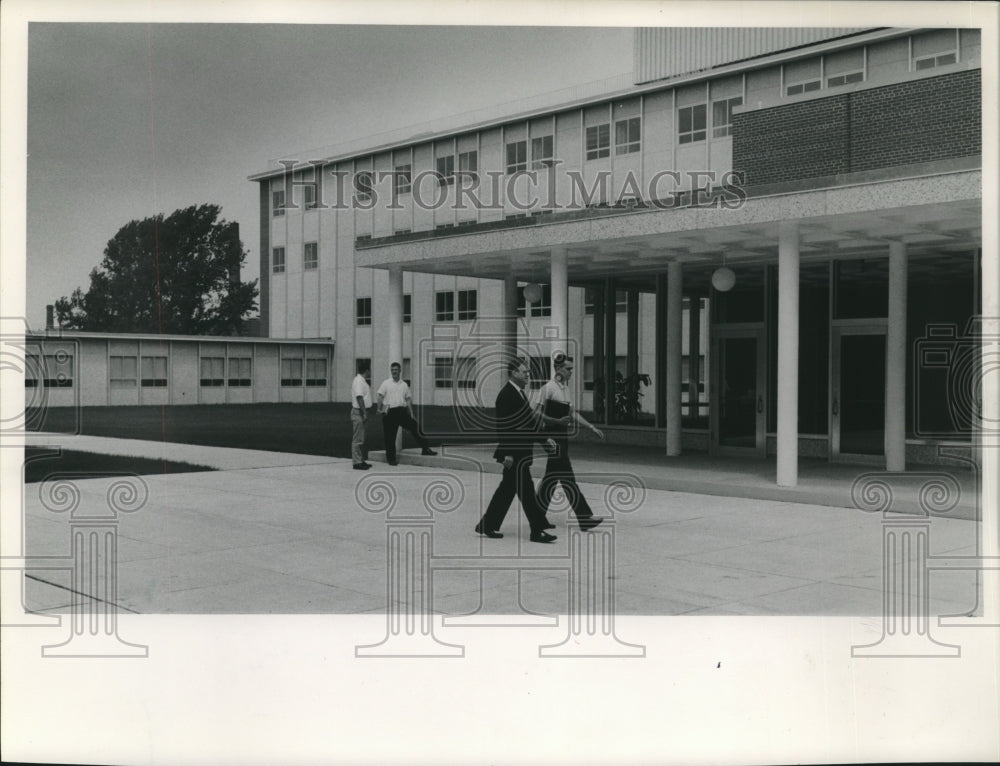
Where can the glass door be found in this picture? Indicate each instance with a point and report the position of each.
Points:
(738, 413)
(857, 393)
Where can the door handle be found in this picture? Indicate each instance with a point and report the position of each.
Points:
(760, 404)
(836, 406)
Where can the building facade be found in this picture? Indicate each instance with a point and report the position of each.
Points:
(769, 243)
(89, 369)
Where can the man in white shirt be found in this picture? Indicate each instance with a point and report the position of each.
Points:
(395, 404)
(361, 402)
(557, 414)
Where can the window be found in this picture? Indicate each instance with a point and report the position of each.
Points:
(541, 152)
(403, 179)
(291, 371)
(278, 260)
(363, 186)
(541, 309)
(212, 371)
(844, 67)
(443, 368)
(444, 307)
(934, 49)
(588, 373)
(446, 170)
(598, 141)
(364, 311)
(802, 77)
(310, 257)
(124, 371)
(240, 371)
(541, 371)
(309, 196)
(465, 374)
(467, 304)
(407, 308)
(627, 136)
(315, 372)
(517, 156)
(58, 370)
(278, 202)
(589, 299)
(468, 162)
(691, 123)
(154, 371)
(722, 116)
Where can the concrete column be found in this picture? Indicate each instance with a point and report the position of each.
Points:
(895, 370)
(509, 319)
(675, 300)
(560, 298)
(788, 354)
(395, 311)
(694, 354)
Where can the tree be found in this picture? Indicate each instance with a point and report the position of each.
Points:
(178, 274)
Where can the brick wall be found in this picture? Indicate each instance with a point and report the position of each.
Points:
(934, 118)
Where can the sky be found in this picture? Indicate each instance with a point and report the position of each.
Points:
(129, 120)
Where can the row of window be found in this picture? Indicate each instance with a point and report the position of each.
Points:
(467, 305)
(310, 257)
(51, 370)
(444, 307)
(927, 50)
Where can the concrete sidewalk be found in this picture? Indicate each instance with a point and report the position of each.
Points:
(308, 535)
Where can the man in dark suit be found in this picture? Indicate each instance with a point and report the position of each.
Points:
(517, 431)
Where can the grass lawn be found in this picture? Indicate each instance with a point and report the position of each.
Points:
(308, 429)
(41, 462)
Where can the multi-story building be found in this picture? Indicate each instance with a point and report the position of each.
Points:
(779, 227)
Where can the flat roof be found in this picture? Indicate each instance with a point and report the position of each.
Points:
(59, 334)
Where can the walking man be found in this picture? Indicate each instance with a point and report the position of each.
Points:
(361, 402)
(557, 414)
(517, 431)
(396, 406)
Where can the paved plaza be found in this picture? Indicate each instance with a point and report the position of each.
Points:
(282, 533)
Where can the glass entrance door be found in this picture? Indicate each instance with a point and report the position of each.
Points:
(738, 417)
(857, 406)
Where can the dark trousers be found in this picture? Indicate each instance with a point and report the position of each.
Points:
(516, 481)
(558, 470)
(394, 419)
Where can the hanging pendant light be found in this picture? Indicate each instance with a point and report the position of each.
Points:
(533, 292)
(723, 277)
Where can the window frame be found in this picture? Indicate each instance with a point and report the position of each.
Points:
(694, 133)
(724, 129)
(407, 308)
(312, 380)
(211, 382)
(470, 298)
(447, 312)
(235, 378)
(545, 156)
(363, 311)
(123, 379)
(403, 178)
(445, 172)
(597, 141)
(277, 203)
(444, 371)
(309, 264)
(153, 380)
(519, 162)
(631, 144)
(287, 364)
(278, 262)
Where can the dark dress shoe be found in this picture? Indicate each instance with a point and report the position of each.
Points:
(366, 464)
(548, 525)
(393, 462)
(588, 524)
(488, 532)
(362, 467)
(542, 537)
(427, 451)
